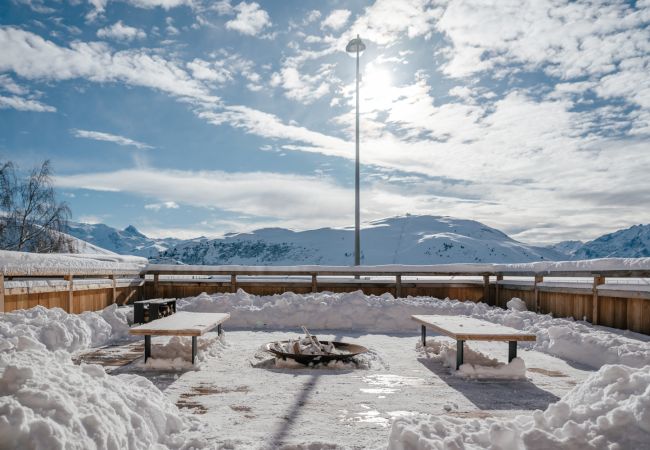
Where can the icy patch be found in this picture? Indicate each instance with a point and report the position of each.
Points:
(48, 402)
(475, 364)
(611, 409)
(516, 304)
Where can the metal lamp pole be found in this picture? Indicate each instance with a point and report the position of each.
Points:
(356, 46)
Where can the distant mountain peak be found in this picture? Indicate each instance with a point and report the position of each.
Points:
(134, 231)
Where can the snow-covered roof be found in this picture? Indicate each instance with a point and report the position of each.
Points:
(40, 264)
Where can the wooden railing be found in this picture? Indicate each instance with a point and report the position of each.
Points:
(598, 293)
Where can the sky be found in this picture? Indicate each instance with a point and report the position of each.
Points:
(197, 117)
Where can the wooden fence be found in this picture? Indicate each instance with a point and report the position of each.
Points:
(593, 297)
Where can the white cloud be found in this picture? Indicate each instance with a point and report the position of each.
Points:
(24, 104)
(158, 206)
(385, 21)
(565, 39)
(288, 200)
(250, 19)
(32, 57)
(99, 6)
(336, 19)
(107, 137)
(9, 85)
(36, 6)
(121, 32)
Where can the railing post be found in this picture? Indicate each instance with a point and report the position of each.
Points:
(486, 289)
(2, 292)
(398, 285)
(538, 279)
(497, 293)
(113, 290)
(156, 278)
(314, 283)
(68, 278)
(598, 280)
(233, 283)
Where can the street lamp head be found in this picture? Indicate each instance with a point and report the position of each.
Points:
(355, 45)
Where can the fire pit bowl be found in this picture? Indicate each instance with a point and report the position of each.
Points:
(348, 351)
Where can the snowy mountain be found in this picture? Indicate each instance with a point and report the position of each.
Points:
(633, 242)
(567, 248)
(398, 240)
(125, 242)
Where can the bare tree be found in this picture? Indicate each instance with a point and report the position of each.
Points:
(31, 218)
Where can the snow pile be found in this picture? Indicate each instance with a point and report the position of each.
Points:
(516, 304)
(58, 330)
(66, 263)
(576, 341)
(176, 353)
(79, 406)
(475, 364)
(611, 409)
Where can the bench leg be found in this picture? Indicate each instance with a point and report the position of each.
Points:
(459, 353)
(219, 330)
(147, 347)
(424, 336)
(512, 350)
(193, 348)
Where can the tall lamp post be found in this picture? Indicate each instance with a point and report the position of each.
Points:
(356, 46)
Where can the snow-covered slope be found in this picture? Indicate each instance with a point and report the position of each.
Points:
(125, 242)
(398, 240)
(633, 242)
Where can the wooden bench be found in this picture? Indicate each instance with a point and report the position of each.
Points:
(180, 324)
(464, 328)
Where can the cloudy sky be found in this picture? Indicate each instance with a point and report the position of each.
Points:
(190, 117)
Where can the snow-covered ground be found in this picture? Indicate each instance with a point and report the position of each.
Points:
(238, 397)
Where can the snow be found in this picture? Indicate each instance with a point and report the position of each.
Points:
(577, 341)
(475, 364)
(611, 409)
(516, 304)
(544, 267)
(46, 401)
(238, 397)
(23, 263)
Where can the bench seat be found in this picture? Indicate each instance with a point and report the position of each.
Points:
(180, 324)
(464, 328)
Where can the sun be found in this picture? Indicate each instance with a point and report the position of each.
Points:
(375, 89)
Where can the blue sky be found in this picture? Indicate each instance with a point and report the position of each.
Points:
(196, 117)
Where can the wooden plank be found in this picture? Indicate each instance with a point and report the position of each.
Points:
(70, 293)
(538, 279)
(2, 292)
(156, 279)
(398, 286)
(466, 328)
(114, 290)
(181, 324)
(598, 280)
(497, 290)
(486, 289)
(314, 283)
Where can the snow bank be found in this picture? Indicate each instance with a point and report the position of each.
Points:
(67, 263)
(475, 364)
(611, 409)
(576, 341)
(46, 401)
(58, 330)
(176, 353)
(516, 304)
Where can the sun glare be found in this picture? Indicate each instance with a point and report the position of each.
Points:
(375, 89)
